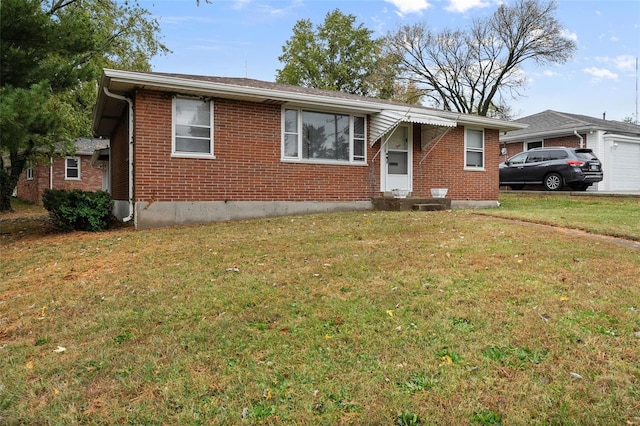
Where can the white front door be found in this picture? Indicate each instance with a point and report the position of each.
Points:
(396, 161)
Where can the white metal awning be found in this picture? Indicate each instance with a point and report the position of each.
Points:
(385, 121)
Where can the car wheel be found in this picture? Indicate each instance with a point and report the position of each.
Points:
(553, 182)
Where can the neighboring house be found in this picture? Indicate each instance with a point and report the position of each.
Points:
(188, 148)
(63, 172)
(615, 143)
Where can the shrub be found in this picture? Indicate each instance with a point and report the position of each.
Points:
(76, 210)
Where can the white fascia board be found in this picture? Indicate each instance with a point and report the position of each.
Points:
(621, 138)
(546, 134)
(364, 105)
(221, 89)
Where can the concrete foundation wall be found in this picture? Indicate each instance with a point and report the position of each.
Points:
(168, 213)
(471, 204)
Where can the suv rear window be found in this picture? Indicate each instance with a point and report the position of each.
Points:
(585, 155)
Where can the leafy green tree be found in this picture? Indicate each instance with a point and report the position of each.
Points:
(51, 56)
(336, 55)
(476, 70)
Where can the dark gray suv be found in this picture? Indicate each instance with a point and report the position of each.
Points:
(554, 168)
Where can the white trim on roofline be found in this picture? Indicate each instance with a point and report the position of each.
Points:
(362, 104)
(547, 134)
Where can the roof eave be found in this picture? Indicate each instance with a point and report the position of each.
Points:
(547, 134)
(123, 82)
(134, 80)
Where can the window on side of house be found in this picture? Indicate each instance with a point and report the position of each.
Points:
(474, 149)
(30, 170)
(315, 136)
(192, 128)
(531, 145)
(72, 168)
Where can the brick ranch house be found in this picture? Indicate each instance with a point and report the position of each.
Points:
(188, 149)
(64, 172)
(615, 143)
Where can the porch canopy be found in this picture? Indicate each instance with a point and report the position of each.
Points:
(387, 120)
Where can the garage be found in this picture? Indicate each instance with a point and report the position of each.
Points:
(623, 171)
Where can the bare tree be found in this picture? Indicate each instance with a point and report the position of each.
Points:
(477, 70)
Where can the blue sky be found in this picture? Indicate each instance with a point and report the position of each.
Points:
(243, 38)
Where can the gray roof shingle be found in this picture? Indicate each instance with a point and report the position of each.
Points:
(553, 122)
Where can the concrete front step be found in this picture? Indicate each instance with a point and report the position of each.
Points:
(428, 207)
(406, 204)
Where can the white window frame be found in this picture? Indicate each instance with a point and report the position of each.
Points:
(67, 168)
(298, 134)
(468, 149)
(186, 154)
(29, 170)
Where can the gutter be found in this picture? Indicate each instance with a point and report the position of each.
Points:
(575, 132)
(361, 104)
(130, 103)
(519, 137)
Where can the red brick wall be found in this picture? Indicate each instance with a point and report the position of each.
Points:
(443, 167)
(119, 160)
(571, 141)
(90, 177)
(247, 167)
(32, 190)
(567, 141)
(513, 149)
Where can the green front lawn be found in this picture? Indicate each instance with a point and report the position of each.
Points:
(614, 216)
(350, 318)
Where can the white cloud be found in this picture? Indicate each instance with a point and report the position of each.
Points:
(600, 73)
(269, 10)
(179, 20)
(621, 63)
(609, 36)
(406, 7)
(549, 73)
(240, 4)
(462, 6)
(569, 35)
(625, 62)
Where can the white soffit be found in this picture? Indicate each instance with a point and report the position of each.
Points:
(383, 122)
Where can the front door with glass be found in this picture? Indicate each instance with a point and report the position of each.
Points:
(396, 167)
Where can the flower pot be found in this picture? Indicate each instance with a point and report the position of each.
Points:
(439, 192)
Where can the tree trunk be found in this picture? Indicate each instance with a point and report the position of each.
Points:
(6, 189)
(9, 175)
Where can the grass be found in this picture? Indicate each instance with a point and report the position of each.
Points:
(350, 318)
(613, 216)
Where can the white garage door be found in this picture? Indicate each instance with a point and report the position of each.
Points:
(624, 168)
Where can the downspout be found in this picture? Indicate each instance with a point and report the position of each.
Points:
(575, 132)
(51, 171)
(128, 101)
